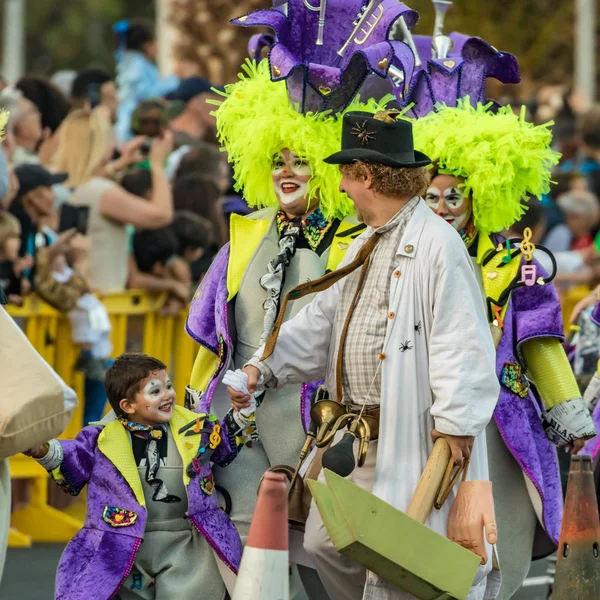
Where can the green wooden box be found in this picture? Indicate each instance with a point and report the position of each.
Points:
(389, 543)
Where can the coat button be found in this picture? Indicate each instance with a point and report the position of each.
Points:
(409, 249)
(396, 274)
(391, 315)
(382, 356)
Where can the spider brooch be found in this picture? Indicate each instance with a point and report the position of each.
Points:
(418, 327)
(362, 133)
(405, 346)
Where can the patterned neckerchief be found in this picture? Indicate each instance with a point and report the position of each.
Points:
(314, 227)
(469, 232)
(146, 431)
(152, 433)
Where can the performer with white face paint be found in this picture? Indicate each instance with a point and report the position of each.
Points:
(148, 465)
(486, 164)
(446, 198)
(303, 231)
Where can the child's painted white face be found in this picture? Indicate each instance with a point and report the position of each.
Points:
(291, 175)
(154, 402)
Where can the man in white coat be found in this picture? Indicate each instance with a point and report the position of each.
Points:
(406, 333)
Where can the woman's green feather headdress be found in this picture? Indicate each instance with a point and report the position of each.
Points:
(503, 158)
(255, 121)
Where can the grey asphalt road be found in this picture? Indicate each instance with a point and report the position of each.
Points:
(29, 575)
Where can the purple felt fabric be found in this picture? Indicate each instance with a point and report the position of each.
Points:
(595, 316)
(533, 312)
(100, 556)
(257, 42)
(463, 73)
(329, 76)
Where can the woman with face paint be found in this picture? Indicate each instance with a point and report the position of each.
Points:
(486, 165)
(147, 465)
(446, 198)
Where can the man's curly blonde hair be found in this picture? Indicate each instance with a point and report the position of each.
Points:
(390, 181)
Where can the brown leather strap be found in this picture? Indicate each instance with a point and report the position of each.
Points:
(319, 285)
(450, 479)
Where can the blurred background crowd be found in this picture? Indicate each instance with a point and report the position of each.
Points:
(111, 177)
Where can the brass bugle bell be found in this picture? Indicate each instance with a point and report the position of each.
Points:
(324, 414)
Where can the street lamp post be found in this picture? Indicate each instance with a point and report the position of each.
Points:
(585, 48)
(164, 37)
(13, 59)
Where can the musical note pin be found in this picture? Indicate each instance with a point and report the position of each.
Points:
(528, 275)
(527, 246)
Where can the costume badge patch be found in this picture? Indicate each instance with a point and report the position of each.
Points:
(118, 517)
(514, 379)
(207, 485)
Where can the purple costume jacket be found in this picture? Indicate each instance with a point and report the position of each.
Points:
(99, 558)
(533, 312)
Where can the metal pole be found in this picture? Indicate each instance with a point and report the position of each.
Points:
(13, 60)
(585, 48)
(164, 37)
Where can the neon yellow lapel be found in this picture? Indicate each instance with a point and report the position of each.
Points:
(187, 445)
(340, 243)
(245, 236)
(495, 279)
(115, 444)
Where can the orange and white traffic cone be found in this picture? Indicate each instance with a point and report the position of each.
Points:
(578, 564)
(264, 572)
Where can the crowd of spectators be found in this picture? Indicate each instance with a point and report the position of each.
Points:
(109, 183)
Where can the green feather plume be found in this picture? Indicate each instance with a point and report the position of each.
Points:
(255, 121)
(503, 158)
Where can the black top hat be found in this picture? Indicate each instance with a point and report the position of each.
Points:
(387, 143)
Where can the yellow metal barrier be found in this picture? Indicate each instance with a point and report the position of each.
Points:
(134, 313)
(569, 300)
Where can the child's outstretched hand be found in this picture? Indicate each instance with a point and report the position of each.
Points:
(38, 451)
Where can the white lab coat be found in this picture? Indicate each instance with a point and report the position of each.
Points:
(444, 378)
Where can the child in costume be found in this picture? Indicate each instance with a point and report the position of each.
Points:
(485, 164)
(153, 528)
(277, 124)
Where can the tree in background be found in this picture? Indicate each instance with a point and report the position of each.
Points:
(538, 32)
(76, 34)
(206, 38)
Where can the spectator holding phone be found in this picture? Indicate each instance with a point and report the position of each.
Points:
(32, 206)
(85, 150)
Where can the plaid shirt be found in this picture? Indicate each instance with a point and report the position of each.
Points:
(366, 333)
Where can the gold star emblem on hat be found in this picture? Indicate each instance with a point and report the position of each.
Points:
(362, 133)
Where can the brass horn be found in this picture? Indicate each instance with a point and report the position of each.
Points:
(440, 44)
(365, 23)
(324, 414)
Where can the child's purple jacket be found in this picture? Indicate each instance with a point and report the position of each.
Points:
(100, 556)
